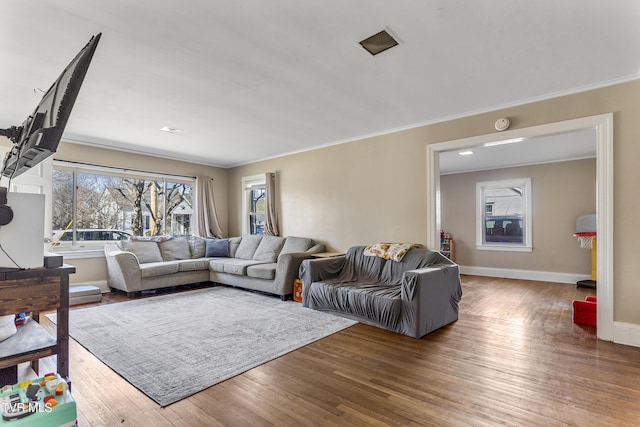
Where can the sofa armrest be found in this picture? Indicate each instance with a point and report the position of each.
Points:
(318, 269)
(430, 298)
(123, 270)
(287, 271)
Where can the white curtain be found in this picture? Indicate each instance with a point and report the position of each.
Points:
(270, 217)
(206, 216)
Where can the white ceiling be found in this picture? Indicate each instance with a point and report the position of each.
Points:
(254, 79)
(542, 149)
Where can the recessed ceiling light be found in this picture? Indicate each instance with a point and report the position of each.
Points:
(503, 142)
(170, 130)
(379, 42)
(465, 153)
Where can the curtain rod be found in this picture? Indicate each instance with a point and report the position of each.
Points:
(119, 169)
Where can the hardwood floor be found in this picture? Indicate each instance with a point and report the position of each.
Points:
(514, 358)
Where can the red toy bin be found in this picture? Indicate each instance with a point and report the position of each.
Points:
(585, 312)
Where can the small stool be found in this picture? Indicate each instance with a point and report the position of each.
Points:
(83, 294)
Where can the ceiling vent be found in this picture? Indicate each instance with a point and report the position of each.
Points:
(379, 42)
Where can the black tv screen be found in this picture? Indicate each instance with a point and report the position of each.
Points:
(40, 134)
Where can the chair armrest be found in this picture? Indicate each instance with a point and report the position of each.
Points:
(317, 269)
(123, 270)
(430, 298)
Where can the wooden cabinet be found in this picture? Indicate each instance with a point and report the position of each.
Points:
(32, 291)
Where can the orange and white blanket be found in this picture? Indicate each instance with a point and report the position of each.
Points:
(392, 251)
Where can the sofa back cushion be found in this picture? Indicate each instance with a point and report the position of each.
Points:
(145, 251)
(296, 244)
(269, 249)
(197, 246)
(248, 246)
(234, 242)
(175, 249)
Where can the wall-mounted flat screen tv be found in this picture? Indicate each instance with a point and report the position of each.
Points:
(40, 134)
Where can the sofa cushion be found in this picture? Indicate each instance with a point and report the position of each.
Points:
(218, 264)
(217, 248)
(193, 264)
(262, 271)
(269, 249)
(153, 269)
(175, 249)
(248, 246)
(145, 251)
(197, 246)
(234, 242)
(238, 266)
(296, 244)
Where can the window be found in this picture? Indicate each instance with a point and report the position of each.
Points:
(255, 190)
(503, 218)
(94, 205)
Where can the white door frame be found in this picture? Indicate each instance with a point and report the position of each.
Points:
(603, 126)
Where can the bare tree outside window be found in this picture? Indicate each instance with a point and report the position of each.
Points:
(107, 203)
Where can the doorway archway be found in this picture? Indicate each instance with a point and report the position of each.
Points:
(603, 126)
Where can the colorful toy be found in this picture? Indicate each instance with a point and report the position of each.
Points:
(20, 319)
(44, 402)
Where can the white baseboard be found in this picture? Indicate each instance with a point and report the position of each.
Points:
(626, 333)
(507, 273)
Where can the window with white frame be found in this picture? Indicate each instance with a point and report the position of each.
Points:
(94, 204)
(253, 204)
(503, 215)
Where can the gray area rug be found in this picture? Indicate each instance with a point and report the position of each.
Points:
(173, 346)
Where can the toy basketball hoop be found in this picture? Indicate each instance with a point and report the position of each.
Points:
(586, 227)
(585, 238)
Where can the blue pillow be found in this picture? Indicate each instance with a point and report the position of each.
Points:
(217, 248)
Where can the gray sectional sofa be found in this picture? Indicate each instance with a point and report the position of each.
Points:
(414, 296)
(263, 263)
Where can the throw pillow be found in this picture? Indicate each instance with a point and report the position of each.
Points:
(175, 249)
(269, 249)
(248, 246)
(217, 248)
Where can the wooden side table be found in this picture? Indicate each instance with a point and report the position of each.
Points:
(327, 254)
(36, 290)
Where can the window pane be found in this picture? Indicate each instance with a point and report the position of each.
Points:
(97, 205)
(504, 224)
(62, 209)
(179, 208)
(111, 208)
(256, 215)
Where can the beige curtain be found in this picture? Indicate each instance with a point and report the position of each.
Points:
(206, 216)
(270, 217)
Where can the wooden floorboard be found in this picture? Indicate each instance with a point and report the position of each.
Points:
(514, 358)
